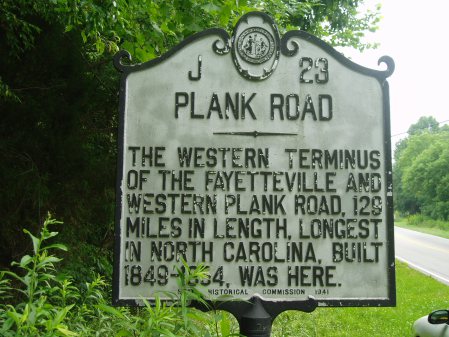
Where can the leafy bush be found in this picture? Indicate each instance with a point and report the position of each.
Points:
(415, 219)
(427, 222)
(37, 301)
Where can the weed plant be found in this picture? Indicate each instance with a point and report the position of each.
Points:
(38, 301)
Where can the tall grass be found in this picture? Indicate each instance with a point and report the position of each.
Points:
(417, 295)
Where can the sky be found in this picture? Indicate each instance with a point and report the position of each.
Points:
(416, 35)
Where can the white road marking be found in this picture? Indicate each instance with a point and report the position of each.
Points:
(423, 270)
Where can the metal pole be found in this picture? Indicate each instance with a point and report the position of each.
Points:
(256, 322)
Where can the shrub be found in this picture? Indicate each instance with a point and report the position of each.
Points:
(415, 219)
(42, 302)
(427, 222)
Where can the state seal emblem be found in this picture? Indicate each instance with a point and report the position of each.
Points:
(255, 45)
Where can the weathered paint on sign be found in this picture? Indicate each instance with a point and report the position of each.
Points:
(266, 159)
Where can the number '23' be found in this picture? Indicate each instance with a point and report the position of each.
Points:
(321, 64)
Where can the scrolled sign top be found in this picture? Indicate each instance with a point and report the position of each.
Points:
(263, 48)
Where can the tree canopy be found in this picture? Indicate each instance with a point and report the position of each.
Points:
(59, 101)
(421, 177)
(424, 124)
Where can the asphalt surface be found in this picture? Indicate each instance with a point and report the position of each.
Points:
(426, 253)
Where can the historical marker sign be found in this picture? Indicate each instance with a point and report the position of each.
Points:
(266, 159)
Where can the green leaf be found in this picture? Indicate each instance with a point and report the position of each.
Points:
(14, 315)
(110, 310)
(50, 235)
(49, 260)
(57, 246)
(14, 275)
(25, 260)
(35, 240)
(7, 324)
(210, 7)
(99, 45)
(66, 332)
(124, 333)
(26, 312)
(60, 316)
(157, 28)
(225, 326)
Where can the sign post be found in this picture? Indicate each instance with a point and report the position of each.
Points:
(265, 158)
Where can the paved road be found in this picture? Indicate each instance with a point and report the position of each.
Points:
(426, 253)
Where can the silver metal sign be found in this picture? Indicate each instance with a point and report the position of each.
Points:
(266, 159)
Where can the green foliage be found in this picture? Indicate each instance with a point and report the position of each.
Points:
(40, 309)
(58, 97)
(415, 219)
(420, 171)
(424, 123)
(148, 28)
(419, 220)
(338, 22)
(37, 301)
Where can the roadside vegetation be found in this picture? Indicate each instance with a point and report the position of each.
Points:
(420, 172)
(417, 295)
(425, 224)
(421, 178)
(39, 300)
